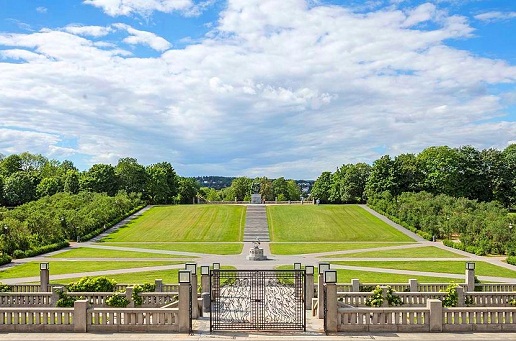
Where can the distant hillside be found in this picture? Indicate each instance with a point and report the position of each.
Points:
(219, 182)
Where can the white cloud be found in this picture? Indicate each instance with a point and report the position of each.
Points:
(278, 88)
(143, 37)
(141, 7)
(89, 31)
(495, 16)
(41, 9)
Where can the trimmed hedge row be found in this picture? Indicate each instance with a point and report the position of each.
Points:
(40, 250)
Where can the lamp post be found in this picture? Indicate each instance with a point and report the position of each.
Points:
(320, 288)
(309, 284)
(470, 276)
(185, 298)
(44, 276)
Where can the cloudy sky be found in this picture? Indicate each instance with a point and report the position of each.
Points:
(254, 87)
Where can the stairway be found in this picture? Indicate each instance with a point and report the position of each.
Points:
(256, 224)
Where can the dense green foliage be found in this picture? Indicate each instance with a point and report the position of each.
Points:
(485, 175)
(47, 224)
(26, 177)
(240, 189)
(92, 284)
(482, 227)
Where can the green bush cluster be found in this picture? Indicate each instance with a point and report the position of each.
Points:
(376, 299)
(92, 284)
(5, 287)
(137, 289)
(511, 260)
(482, 227)
(117, 300)
(48, 223)
(5, 259)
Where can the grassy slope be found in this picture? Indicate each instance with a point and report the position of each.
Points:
(87, 252)
(186, 223)
(302, 248)
(329, 223)
(482, 268)
(208, 248)
(419, 252)
(63, 267)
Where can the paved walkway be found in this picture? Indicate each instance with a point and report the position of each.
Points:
(256, 226)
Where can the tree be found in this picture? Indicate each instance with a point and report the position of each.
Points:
(266, 190)
(293, 190)
(48, 186)
(71, 182)
(188, 188)
(353, 183)
(19, 188)
(280, 189)
(407, 174)
(162, 186)
(381, 178)
(10, 165)
(240, 188)
(472, 182)
(440, 168)
(132, 177)
(321, 187)
(99, 178)
(32, 162)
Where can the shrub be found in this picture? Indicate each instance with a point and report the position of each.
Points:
(452, 297)
(5, 288)
(376, 299)
(137, 289)
(511, 260)
(117, 300)
(5, 259)
(92, 284)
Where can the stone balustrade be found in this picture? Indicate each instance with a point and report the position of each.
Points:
(158, 299)
(31, 319)
(132, 320)
(383, 319)
(26, 299)
(468, 319)
(490, 299)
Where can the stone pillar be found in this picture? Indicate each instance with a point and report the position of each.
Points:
(158, 283)
(309, 294)
(195, 304)
(44, 276)
(205, 283)
(276, 200)
(470, 280)
(184, 307)
(355, 285)
(56, 293)
(320, 296)
(460, 296)
(413, 285)
(206, 302)
(436, 315)
(129, 296)
(80, 316)
(331, 306)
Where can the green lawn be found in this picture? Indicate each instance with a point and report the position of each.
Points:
(329, 223)
(345, 276)
(68, 267)
(89, 252)
(302, 248)
(185, 223)
(452, 267)
(168, 277)
(416, 252)
(208, 248)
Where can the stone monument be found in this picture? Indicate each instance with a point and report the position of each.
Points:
(256, 197)
(256, 252)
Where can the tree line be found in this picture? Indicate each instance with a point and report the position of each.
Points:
(26, 177)
(483, 175)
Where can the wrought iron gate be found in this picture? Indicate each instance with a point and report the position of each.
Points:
(257, 300)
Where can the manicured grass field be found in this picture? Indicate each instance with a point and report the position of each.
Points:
(89, 252)
(329, 223)
(208, 248)
(185, 223)
(63, 267)
(303, 248)
(452, 267)
(168, 277)
(416, 252)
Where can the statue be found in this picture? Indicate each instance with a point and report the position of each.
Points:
(255, 188)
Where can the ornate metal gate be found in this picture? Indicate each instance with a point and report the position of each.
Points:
(257, 300)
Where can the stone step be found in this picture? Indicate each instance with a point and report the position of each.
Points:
(256, 226)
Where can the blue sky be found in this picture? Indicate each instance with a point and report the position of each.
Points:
(254, 87)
